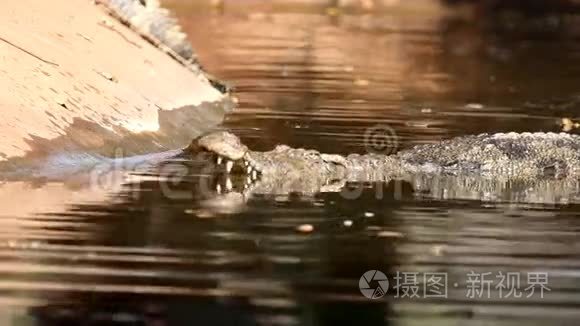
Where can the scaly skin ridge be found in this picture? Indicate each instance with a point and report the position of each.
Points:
(481, 162)
(499, 155)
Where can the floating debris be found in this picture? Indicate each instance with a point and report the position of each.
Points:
(437, 250)
(474, 106)
(390, 234)
(568, 124)
(417, 124)
(305, 228)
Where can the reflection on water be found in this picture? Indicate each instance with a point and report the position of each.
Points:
(139, 256)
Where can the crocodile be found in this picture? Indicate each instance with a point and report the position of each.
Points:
(531, 167)
(502, 167)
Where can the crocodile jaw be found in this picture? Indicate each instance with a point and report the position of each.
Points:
(224, 144)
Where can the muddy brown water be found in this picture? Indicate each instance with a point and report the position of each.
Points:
(306, 78)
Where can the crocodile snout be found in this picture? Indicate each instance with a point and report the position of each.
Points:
(228, 153)
(223, 143)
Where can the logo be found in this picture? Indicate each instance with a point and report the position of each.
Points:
(381, 139)
(380, 283)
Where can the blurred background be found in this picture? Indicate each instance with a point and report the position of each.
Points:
(320, 74)
(429, 69)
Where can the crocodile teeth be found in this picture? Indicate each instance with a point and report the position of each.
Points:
(218, 188)
(254, 175)
(219, 160)
(229, 185)
(249, 169)
(229, 166)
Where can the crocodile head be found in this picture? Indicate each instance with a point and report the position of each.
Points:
(224, 144)
(284, 168)
(229, 150)
(226, 161)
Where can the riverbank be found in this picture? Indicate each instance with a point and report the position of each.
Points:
(75, 79)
